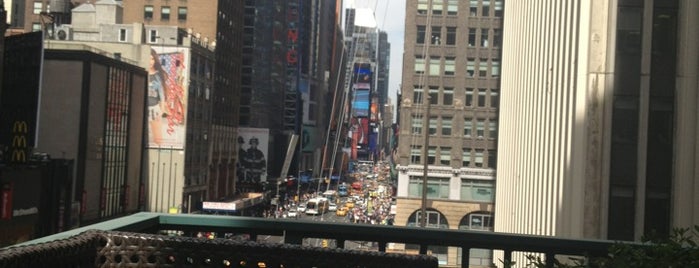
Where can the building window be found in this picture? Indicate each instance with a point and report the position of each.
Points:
(36, 27)
(449, 65)
(468, 127)
(494, 98)
(419, 65)
(471, 37)
(493, 129)
(437, 7)
(448, 96)
(153, 36)
(416, 124)
(38, 7)
(498, 8)
(497, 37)
(182, 13)
(415, 154)
(485, 8)
(437, 188)
(469, 96)
(492, 159)
(478, 159)
(495, 68)
(165, 13)
(466, 157)
(122, 35)
(435, 66)
(480, 128)
(446, 126)
(452, 7)
(470, 67)
(422, 7)
(483, 68)
(148, 12)
(417, 94)
(420, 39)
(473, 8)
(482, 93)
(434, 95)
(477, 190)
(436, 35)
(484, 37)
(431, 154)
(445, 156)
(433, 126)
(451, 36)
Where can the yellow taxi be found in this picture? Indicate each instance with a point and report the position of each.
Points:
(341, 211)
(349, 204)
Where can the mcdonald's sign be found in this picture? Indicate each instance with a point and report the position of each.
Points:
(19, 156)
(19, 142)
(20, 127)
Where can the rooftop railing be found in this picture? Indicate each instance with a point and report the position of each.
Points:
(293, 233)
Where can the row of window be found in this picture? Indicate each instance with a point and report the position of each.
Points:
(436, 66)
(471, 190)
(445, 96)
(444, 124)
(437, 7)
(451, 32)
(164, 13)
(469, 157)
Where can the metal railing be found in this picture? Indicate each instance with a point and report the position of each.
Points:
(294, 231)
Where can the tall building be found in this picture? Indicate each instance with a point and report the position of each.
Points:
(219, 24)
(286, 87)
(367, 83)
(599, 119)
(448, 118)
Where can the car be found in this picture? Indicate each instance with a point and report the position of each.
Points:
(332, 207)
(292, 213)
(349, 204)
(301, 208)
(341, 211)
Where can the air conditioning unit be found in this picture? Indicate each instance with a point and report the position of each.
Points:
(64, 32)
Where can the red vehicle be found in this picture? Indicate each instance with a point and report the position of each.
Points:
(357, 186)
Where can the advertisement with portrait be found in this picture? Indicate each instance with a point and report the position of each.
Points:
(168, 76)
(253, 146)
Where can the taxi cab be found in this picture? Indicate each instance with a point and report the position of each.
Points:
(341, 211)
(349, 204)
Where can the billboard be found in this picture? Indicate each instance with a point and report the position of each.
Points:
(23, 58)
(253, 146)
(167, 97)
(360, 103)
(362, 73)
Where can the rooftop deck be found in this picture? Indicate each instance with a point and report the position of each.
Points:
(293, 232)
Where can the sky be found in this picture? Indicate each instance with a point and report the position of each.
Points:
(390, 18)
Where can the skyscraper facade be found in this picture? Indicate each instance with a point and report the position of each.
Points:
(218, 24)
(598, 137)
(448, 118)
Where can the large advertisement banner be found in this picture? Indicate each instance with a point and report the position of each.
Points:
(167, 97)
(253, 145)
(360, 103)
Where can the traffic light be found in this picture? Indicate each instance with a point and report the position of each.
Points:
(325, 243)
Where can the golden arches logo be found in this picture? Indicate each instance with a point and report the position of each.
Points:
(20, 127)
(19, 141)
(19, 156)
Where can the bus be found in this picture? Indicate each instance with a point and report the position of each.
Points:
(331, 195)
(316, 206)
